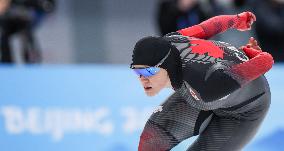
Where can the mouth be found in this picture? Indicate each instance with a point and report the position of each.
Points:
(147, 88)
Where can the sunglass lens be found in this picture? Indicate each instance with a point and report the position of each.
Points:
(147, 72)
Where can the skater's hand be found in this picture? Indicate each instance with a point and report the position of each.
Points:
(246, 19)
(252, 43)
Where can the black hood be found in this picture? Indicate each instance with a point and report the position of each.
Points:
(151, 50)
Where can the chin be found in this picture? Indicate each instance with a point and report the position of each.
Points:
(151, 93)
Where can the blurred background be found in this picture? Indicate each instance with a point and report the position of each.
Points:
(65, 82)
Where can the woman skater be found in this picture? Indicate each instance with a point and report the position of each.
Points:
(220, 93)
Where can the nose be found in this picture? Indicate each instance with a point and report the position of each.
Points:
(142, 78)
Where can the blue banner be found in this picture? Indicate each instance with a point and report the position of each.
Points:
(96, 107)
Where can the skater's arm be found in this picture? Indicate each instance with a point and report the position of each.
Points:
(219, 24)
(224, 81)
(259, 63)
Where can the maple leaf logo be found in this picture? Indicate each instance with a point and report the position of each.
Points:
(202, 47)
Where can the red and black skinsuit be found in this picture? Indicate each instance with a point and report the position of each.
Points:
(224, 97)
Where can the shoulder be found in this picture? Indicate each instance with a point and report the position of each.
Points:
(176, 37)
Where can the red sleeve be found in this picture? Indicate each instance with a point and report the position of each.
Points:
(211, 26)
(259, 64)
(250, 52)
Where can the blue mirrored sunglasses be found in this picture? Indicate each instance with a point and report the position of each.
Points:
(146, 72)
(150, 71)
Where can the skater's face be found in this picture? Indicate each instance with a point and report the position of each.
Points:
(154, 84)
